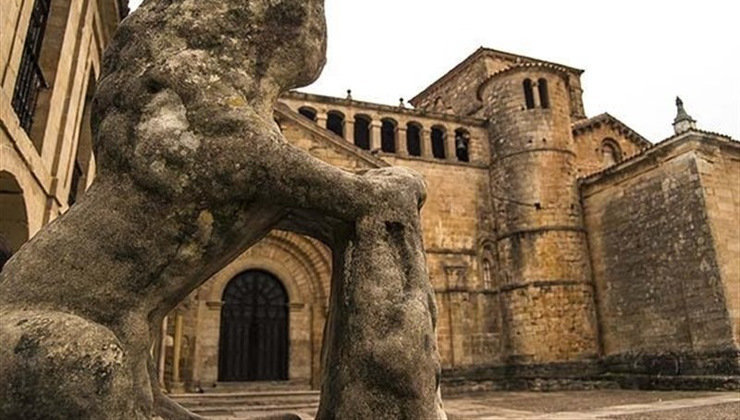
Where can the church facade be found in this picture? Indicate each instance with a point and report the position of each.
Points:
(558, 245)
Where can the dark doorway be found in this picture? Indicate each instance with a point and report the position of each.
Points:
(254, 329)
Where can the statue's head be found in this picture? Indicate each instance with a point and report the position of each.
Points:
(280, 40)
(291, 46)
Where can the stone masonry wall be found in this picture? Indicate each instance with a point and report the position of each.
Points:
(662, 304)
(546, 289)
(588, 148)
(719, 169)
(458, 93)
(478, 151)
(42, 161)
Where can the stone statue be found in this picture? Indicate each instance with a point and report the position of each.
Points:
(192, 171)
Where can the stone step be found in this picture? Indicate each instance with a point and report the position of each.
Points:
(226, 404)
(246, 394)
(192, 404)
(236, 410)
(231, 387)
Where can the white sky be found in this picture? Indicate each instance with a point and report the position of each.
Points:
(638, 54)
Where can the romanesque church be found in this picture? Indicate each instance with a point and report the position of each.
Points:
(559, 245)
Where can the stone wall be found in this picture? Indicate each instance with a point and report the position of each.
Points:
(41, 160)
(457, 91)
(719, 169)
(458, 94)
(402, 117)
(591, 137)
(663, 306)
(546, 289)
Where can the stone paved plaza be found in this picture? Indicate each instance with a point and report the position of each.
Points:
(612, 404)
(575, 405)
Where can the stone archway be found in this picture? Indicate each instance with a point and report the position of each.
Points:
(13, 217)
(302, 265)
(254, 336)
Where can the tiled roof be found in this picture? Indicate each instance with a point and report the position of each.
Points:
(518, 66)
(607, 118)
(480, 52)
(654, 147)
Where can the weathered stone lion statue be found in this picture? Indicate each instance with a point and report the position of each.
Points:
(193, 171)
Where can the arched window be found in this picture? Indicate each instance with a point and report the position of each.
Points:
(388, 136)
(462, 145)
(439, 137)
(362, 132)
(610, 152)
(487, 276)
(528, 93)
(544, 94)
(413, 139)
(308, 112)
(335, 123)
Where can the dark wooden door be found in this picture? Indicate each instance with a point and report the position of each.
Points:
(254, 329)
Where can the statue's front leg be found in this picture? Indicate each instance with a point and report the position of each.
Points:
(380, 351)
(165, 407)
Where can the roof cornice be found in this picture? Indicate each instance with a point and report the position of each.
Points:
(312, 97)
(691, 135)
(481, 52)
(605, 118)
(555, 68)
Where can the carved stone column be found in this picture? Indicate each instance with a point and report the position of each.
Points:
(177, 384)
(426, 143)
(349, 129)
(321, 118)
(376, 135)
(162, 353)
(450, 149)
(402, 147)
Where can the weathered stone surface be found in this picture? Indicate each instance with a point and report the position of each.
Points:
(377, 356)
(192, 171)
(664, 294)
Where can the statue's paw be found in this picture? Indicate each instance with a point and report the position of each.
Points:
(57, 365)
(399, 186)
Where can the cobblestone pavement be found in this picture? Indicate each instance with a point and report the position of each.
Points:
(582, 405)
(576, 405)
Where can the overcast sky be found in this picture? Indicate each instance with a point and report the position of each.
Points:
(638, 54)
